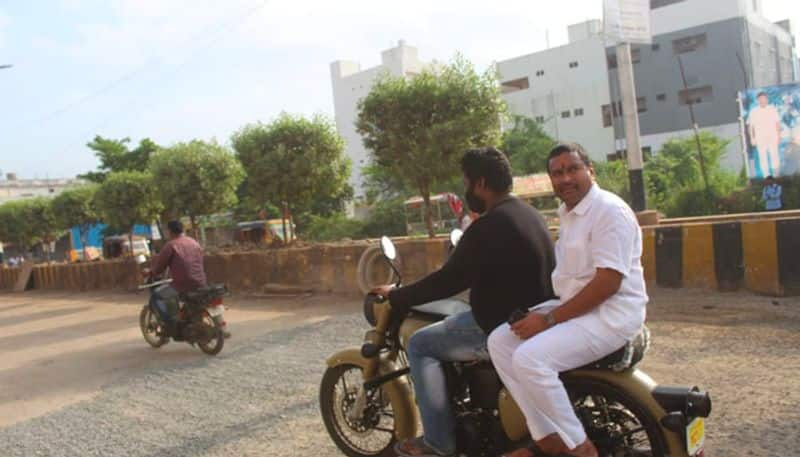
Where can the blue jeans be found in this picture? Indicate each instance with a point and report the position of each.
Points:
(458, 338)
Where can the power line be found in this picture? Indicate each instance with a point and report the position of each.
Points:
(148, 64)
(134, 102)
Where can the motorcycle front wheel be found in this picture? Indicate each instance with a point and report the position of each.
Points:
(616, 424)
(214, 345)
(152, 330)
(371, 434)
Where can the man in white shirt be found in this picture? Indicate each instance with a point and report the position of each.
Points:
(765, 134)
(600, 284)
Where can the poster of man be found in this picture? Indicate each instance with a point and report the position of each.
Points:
(772, 135)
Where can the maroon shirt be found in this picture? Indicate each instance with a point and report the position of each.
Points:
(184, 257)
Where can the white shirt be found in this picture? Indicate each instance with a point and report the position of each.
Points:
(602, 232)
(764, 121)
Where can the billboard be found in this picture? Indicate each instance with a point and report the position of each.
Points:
(627, 21)
(771, 130)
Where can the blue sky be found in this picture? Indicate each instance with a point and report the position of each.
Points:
(174, 70)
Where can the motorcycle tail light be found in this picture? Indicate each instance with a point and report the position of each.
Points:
(217, 301)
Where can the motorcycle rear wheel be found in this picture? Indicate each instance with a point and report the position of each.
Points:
(370, 435)
(149, 324)
(214, 346)
(617, 425)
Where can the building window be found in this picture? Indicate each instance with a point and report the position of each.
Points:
(573, 64)
(661, 97)
(661, 3)
(636, 57)
(655, 47)
(540, 73)
(607, 116)
(514, 85)
(565, 114)
(641, 104)
(578, 112)
(540, 119)
(696, 95)
(690, 43)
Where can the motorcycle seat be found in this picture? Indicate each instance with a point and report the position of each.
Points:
(205, 292)
(440, 309)
(625, 357)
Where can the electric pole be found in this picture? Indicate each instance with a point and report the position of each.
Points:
(630, 114)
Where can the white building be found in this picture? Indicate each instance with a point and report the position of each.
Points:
(18, 189)
(351, 84)
(563, 88)
(725, 46)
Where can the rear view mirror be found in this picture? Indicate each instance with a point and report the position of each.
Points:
(455, 237)
(388, 249)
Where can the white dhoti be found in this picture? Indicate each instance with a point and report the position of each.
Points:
(529, 369)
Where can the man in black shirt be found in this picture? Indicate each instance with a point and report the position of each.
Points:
(505, 258)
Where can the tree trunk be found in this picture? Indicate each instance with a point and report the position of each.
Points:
(194, 226)
(283, 221)
(130, 243)
(426, 199)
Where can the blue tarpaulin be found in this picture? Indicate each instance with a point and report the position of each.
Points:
(95, 235)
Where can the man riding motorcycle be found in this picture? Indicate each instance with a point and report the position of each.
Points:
(505, 258)
(600, 284)
(184, 258)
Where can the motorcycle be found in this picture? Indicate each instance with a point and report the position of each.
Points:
(367, 397)
(196, 315)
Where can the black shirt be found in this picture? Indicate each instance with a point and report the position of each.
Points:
(505, 257)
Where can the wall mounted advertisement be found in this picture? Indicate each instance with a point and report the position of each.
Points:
(771, 130)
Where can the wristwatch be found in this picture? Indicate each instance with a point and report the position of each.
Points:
(550, 319)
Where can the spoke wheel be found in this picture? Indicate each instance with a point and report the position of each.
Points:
(214, 345)
(152, 331)
(617, 425)
(371, 434)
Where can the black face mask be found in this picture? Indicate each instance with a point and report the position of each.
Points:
(474, 202)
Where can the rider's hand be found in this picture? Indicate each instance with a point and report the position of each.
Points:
(530, 325)
(383, 291)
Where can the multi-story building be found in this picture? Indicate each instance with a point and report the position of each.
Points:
(564, 88)
(351, 84)
(724, 45)
(17, 189)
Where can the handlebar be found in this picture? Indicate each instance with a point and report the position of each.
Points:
(149, 285)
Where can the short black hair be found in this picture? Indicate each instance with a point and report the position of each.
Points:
(176, 227)
(762, 93)
(568, 148)
(488, 163)
(769, 177)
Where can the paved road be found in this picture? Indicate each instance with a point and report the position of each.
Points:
(77, 380)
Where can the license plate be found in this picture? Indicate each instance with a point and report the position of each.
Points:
(215, 311)
(695, 436)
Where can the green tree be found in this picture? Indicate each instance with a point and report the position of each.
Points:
(196, 179)
(75, 208)
(114, 155)
(613, 177)
(386, 217)
(417, 128)
(126, 198)
(295, 163)
(44, 226)
(15, 225)
(527, 145)
(674, 180)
